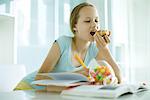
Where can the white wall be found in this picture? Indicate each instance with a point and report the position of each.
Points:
(10, 76)
(6, 39)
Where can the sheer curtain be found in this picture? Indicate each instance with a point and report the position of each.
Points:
(139, 39)
(131, 28)
(38, 24)
(119, 25)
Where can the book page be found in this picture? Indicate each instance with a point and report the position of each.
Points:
(57, 82)
(66, 76)
(137, 88)
(94, 91)
(108, 91)
(110, 87)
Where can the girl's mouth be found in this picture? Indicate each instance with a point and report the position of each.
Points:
(92, 33)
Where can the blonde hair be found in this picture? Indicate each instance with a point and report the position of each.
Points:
(75, 14)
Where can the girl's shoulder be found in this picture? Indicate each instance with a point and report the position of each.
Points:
(64, 38)
(64, 42)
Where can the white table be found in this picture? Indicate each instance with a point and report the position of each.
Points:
(32, 95)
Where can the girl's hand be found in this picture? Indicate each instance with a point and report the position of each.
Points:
(114, 81)
(102, 38)
(119, 80)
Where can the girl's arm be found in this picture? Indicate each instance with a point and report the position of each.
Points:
(50, 61)
(105, 54)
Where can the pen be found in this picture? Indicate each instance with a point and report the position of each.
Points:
(80, 61)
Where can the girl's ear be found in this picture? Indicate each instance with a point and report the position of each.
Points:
(75, 28)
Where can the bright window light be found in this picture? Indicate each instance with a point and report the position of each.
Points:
(106, 14)
(66, 13)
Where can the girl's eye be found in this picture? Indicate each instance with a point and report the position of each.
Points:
(96, 21)
(87, 21)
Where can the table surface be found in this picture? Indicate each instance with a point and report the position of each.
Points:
(32, 95)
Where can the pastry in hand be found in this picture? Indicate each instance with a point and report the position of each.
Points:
(101, 32)
(104, 32)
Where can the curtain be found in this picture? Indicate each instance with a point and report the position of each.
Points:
(131, 38)
(119, 25)
(38, 24)
(139, 39)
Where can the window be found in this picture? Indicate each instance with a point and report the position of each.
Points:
(119, 28)
(39, 23)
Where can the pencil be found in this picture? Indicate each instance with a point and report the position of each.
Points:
(80, 61)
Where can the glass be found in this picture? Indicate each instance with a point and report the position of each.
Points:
(101, 72)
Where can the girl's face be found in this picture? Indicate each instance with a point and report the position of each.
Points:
(87, 22)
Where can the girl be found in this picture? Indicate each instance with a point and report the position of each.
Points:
(84, 22)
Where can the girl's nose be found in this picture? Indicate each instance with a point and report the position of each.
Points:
(94, 25)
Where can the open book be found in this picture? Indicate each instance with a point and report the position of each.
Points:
(62, 80)
(66, 79)
(108, 91)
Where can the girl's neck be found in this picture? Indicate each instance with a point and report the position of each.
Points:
(80, 44)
